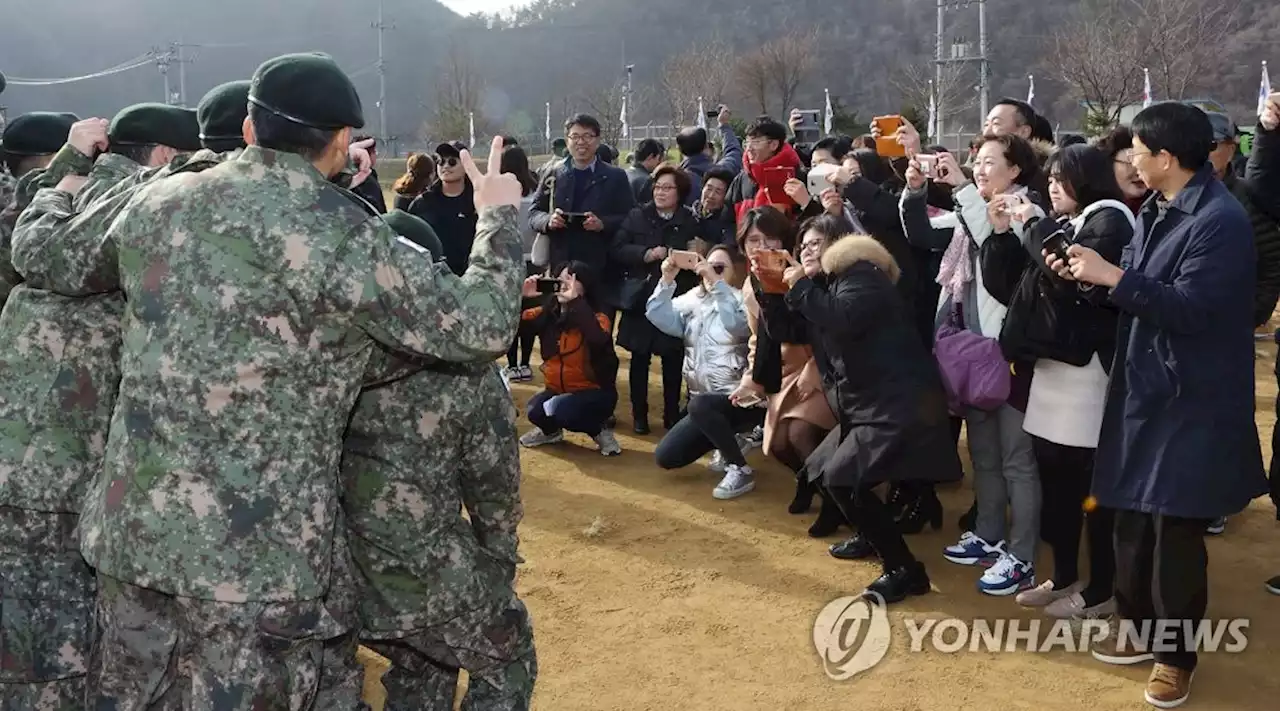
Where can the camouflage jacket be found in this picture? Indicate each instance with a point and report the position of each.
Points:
(417, 452)
(60, 355)
(68, 161)
(255, 291)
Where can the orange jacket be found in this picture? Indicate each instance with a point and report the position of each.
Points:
(570, 368)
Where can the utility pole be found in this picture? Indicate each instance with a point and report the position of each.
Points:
(937, 79)
(163, 60)
(983, 67)
(182, 74)
(381, 27)
(942, 59)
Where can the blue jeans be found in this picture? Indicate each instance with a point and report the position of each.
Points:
(584, 411)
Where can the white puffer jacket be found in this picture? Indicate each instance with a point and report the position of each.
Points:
(713, 325)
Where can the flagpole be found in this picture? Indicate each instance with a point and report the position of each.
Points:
(547, 130)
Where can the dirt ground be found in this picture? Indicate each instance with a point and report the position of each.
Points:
(647, 593)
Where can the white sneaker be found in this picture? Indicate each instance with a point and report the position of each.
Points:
(537, 438)
(608, 443)
(1008, 576)
(511, 372)
(717, 462)
(524, 374)
(736, 482)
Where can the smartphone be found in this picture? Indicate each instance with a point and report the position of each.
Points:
(773, 259)
(809, 130)
(685, 260)
(928, 164)
(1057, 244)
(817, 179)
(750, 400)
(774, 181)
(548, 286)
(713, 113)
(575, 219)
(886, 145)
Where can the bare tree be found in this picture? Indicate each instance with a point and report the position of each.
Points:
(791, 59)
(459, 89)
(1098, 53)
(954, 94)
(1184, 39)
(706, 72)
(752, 71)
(605, 103)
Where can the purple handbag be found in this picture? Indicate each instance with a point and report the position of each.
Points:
(974, 371)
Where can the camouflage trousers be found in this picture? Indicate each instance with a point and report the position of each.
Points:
(494, 644)
(158, 652)
(46, 612)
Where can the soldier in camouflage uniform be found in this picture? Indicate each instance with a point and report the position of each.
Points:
(27, 148)
(436, 590)
(255, 292)
(59, 362)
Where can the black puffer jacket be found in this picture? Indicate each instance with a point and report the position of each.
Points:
(1259, 192)
(1050, 317)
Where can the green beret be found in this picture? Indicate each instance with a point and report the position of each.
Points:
(416, 229)
(221, 115)
(38, 133)
(2, 82)
(155, 124)
(307, 89)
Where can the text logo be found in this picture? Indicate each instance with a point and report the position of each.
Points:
(852, 635)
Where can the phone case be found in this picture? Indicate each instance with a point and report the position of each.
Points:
(886, 145)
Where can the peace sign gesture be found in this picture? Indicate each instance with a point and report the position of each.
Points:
(794, 271)
(492, 188)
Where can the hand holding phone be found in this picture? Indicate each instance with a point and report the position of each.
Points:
(687, 261)
(548, 286)
(749, 399)
(928, 163)
(887, 141)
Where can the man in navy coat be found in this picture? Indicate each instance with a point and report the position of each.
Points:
(1179, 446)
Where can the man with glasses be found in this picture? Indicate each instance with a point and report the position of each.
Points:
(449, 207)
(581, 204)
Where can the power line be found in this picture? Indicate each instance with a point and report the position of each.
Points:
(134, 63)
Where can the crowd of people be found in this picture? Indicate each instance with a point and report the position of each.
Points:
(243, 405)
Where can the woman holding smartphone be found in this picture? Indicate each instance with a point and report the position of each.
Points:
(1069, 331)
(780, 363)
(647, 237)
(1005, 475)
(891, 411)
(712, 322)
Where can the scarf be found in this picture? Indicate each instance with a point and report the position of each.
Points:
(785, 158)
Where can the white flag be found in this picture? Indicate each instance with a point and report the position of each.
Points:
(828, 115)
(472, 145)
(1264, 90)
(626, 130)
(933, 114)
(702, 115)
(548, 128)
(1146, 88)
(1031, 90)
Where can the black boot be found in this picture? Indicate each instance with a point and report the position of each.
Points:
(897, 584)
(926, 509)
(830, 518)
(640, 422)
(969, 521)
(853, 548)
(803, 500)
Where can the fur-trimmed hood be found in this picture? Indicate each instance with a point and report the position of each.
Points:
(849, 250)
(1044, 151)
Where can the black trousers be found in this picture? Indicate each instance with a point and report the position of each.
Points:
(1162, 573)
(1066, 474)
(672, 379)
(711, 424)
(1275, 456)
(869, 514)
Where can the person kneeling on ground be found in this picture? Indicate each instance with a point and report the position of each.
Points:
(886, 393)
(579, 365)
(713, 323)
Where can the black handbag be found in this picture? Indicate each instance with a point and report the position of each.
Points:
(631, 293)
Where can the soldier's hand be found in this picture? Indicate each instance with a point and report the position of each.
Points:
(493, 188)
(359, 154)
(1270, 118)
(89, 136)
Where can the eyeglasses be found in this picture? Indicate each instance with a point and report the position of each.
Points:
(717, 268)
(758, 141)
(811, 246)
(447, 161)
(663, 187)
(581, 137)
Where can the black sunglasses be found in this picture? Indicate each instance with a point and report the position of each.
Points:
(447, 161)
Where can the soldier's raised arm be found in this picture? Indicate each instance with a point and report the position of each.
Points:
(403, 299)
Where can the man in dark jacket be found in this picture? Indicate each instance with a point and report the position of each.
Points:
(716, 217)
(699, 151)
(649, 155)
(449, 207)
(582, 203)
(1178, 445)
